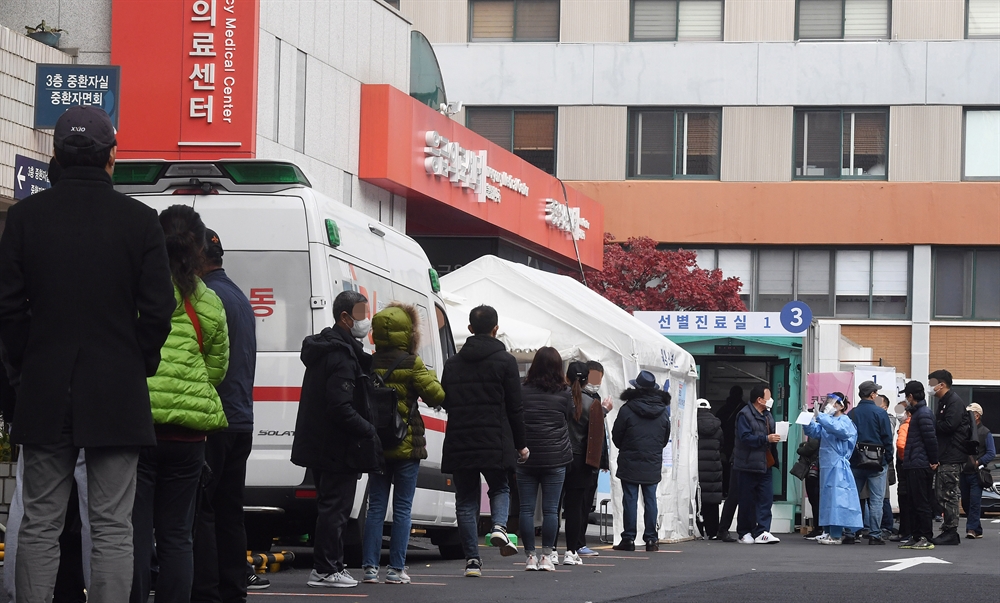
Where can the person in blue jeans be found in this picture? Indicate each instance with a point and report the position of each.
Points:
(641, 430)
(874, 429)
(548, 408)
(485, 434)
(396, 335)
(972, 492)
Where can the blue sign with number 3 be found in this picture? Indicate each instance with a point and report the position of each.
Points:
(796, 316)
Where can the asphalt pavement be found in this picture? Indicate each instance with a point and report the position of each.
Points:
(695, 571)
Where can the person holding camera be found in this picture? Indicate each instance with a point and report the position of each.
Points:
(839, 505)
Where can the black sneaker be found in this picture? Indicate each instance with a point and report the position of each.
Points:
(923, 545)
(256, 581)
(726, 537)
(473, 568)
(848, 540)
(876, 541)
(624, 545)
(909, 542)
(948, 538)
(499, 539)
(814, 534)
(898, 538)
(652, 546)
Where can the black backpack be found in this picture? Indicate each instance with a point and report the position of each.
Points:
(389, 424)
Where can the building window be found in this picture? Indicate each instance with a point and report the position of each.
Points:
(843, 19)
(967, 283)
(682, 20)
(528, 133)
(982, 19)
(832, 143)
(513, 20)
(847, 283)
(667, 143)
(982, 144)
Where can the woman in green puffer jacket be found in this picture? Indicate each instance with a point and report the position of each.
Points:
(186, 408)
(396, 335)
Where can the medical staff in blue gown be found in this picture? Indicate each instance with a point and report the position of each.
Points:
(839, 506)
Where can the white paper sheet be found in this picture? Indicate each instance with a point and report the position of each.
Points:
(805, 418)
(781, 428)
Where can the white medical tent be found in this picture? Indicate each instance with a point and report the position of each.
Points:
(582, 325)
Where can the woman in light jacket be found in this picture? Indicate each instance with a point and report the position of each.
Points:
(186, 408)
(548, 408)
(839, 505)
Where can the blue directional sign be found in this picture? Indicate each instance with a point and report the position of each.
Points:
(30, 176)
(796, 316)
(58, 87)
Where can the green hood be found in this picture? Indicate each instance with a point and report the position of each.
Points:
(394, 328)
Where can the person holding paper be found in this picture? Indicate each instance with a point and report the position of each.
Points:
(839, 505)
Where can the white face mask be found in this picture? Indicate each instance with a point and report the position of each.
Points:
(361, 328)
(769, 403)
(590, 389)
(830, 409)
(901, 415)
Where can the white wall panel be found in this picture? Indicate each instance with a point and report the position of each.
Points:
(926, 144)
(964, 73)
(592, 143)
(756, 144)
(594, 21)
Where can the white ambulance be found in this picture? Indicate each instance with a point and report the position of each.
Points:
(292, 250)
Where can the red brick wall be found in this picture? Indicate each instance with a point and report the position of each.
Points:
(968, 352)
(891, 343)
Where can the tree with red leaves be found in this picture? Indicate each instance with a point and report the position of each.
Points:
(638, 276)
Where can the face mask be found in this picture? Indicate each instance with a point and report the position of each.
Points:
(590, 389)
(901, 415)
(361, 328)
(830, 410)
(769, 403)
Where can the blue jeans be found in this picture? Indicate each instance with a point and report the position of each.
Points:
(630, 500)
(467, 495)
(887, 520)
(972, 499)
(402, 476)
(756, 499)
(872, 510)
(551, 482)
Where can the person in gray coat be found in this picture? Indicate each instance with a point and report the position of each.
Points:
(641, 431)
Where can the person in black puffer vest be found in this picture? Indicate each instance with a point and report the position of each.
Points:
(641, 430)
(548, 408)
(709, 468)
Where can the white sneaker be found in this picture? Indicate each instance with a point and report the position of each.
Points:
(545, 564)
(342, 579)
(571, 558)
(500, 540)
(531, 564)
(825, 539)
(766, 538)
(746, 539)
(820, 537)
(554, 557)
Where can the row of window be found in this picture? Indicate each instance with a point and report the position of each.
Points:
(688, 20)
(861, 283)
(830, 144)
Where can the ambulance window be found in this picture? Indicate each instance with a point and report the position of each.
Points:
(277, 285)
(444, 331)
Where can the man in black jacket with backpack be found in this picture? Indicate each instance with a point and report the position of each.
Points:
(334, 432)
(954, 428)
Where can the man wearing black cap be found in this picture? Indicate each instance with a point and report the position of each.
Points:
(85, 305)
(875, 433)
(220, 544)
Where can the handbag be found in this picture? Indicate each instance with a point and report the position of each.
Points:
(800, 469)
(389, 424)
(985, 478)
(867, 457)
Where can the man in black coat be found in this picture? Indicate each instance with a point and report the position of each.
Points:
(954, 428)
(85, 305)
(709, 468)
(640, 433)
(485, 432)
(334, 432)
(754, 456)
(920, 459)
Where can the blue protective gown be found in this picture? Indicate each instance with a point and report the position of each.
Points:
(838, 501)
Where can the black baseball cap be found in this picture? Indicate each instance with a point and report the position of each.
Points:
(84, 129)
(213, 245)
(913, 387)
